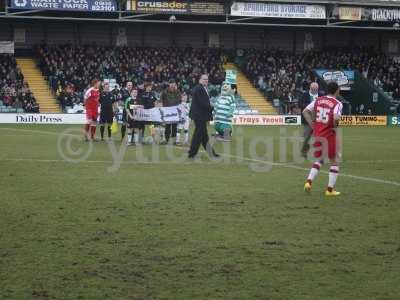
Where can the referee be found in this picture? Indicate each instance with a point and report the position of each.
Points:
(107, 105)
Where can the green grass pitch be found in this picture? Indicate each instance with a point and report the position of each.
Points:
(197, 230)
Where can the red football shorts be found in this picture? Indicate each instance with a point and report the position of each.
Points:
(91, 116)
(326, 147)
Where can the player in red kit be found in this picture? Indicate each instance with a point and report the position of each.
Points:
(323, 115)
(92, 98)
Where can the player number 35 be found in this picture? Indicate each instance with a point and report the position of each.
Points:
(323, 115)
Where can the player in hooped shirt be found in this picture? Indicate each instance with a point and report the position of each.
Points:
(91, 98)
(323, 115)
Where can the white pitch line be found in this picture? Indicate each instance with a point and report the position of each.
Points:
(371, 161)
(95, 161)
(289, 166)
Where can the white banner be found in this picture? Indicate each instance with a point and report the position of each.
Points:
(170, 114)
(43, 118)
(162, 115)
(274, 10)
(7, 47)
(266, 120)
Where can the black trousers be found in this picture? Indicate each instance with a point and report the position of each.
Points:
(170, 131)
(200, 136)
(307, 137)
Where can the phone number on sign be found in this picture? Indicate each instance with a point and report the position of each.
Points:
(103, 6)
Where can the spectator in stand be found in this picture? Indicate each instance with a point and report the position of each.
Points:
(14, 91)
(288, 72)
(69, 64)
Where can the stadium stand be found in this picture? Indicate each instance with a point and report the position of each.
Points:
(69, 69)
(39, 86)
(277, 74)
(285, 76)
(15, 94)
(255, 99)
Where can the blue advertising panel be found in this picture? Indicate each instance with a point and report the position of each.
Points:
(72, 5)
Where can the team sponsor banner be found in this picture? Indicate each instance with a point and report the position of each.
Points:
(166, 115)
(75, 5)
(363, 121)
(266, 120)
(393, 120)
(343, 78)
(42, 118)
(350, 13)
(176, 7)
(7, 47)
(274, 10)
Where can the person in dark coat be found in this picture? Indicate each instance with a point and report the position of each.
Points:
(306, 99)
(170, 97)
(201, 113)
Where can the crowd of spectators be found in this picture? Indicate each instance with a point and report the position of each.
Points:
(279, 74)
(285, 76)
(69, 69)
(14, 91)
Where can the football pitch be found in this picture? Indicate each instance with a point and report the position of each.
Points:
(90, 221)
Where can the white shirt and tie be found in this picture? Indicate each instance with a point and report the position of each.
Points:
(205, 88)
(313, 96)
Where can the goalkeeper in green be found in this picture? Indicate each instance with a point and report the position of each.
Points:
(223, 111)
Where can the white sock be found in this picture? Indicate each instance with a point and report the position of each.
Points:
(178, 136)
(186, 136)
(162, 133)
(333, 174)
(136, 138)
(314, 171)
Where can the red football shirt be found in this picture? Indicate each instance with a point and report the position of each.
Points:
(92, 98)
(326, 110)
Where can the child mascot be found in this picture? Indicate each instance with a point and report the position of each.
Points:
(223, 111)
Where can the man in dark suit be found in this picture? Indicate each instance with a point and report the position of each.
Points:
(201, 113)
(307, 98)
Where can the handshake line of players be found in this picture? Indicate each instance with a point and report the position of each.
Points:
(100, 97)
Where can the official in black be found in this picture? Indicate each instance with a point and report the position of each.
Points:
(201, 113)
(107, 106)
